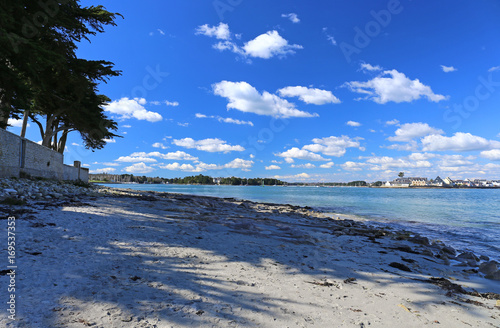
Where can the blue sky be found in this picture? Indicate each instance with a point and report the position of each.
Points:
(302, 91)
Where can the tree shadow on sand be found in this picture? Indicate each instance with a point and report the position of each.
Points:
(181, 260)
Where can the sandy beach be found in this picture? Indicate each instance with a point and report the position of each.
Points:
(143, 259)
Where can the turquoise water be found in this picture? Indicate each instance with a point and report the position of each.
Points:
(463, 218)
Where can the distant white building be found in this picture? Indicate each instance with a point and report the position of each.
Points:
(401, 182)
(438, 182)
(464, 183)
(447, 181)
(418, 182)
(469, 183)
(483, 183)
(388, 184)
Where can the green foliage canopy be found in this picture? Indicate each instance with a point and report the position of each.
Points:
(40, 72)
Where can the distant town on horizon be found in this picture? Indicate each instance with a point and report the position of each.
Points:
(401, 182)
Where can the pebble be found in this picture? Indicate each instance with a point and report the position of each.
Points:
(420, 240)
(467, 256)
(488, 267)
(449, 250)
(31, 190)
(494, 275)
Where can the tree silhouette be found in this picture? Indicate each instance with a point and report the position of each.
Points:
(41, 76)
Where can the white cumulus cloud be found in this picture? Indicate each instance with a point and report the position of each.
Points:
(353, 166)
(300, 154)
(16, 123)
(304, 166)
(139, 168)
(460, 141)
(238, 163)
(448, 69)
(333, 146)
(292, 17)
(159, 145)
(178, 167)
(394, 86)
(410, 131)
(386, 162)
(353, 123)
(220, 31)
(268, 45)
(127, 108)
(225, 119)
(392, 122)
(166, 102)
(421, 156)
(177, 155)
(456, 160)
(329, 37)
(233, 121)
(412, 145)
(327, 165)
(371, 68)
(273, 167)
(309, 95)
(300, 176)
(244, 97)
(135, 159)
(209, 145)
(492, 155)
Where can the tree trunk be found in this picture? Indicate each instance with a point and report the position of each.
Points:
(49, 128)
(54, 142)
(62, 142)
(25, 123)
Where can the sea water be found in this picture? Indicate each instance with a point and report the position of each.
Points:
(467, 219)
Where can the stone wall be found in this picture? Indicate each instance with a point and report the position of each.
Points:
(75, 173)
(10, 147)
(40, 161)
(19, 155)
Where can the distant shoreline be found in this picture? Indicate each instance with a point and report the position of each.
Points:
(295, 185)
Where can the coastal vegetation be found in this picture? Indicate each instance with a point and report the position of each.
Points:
(198, 179)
